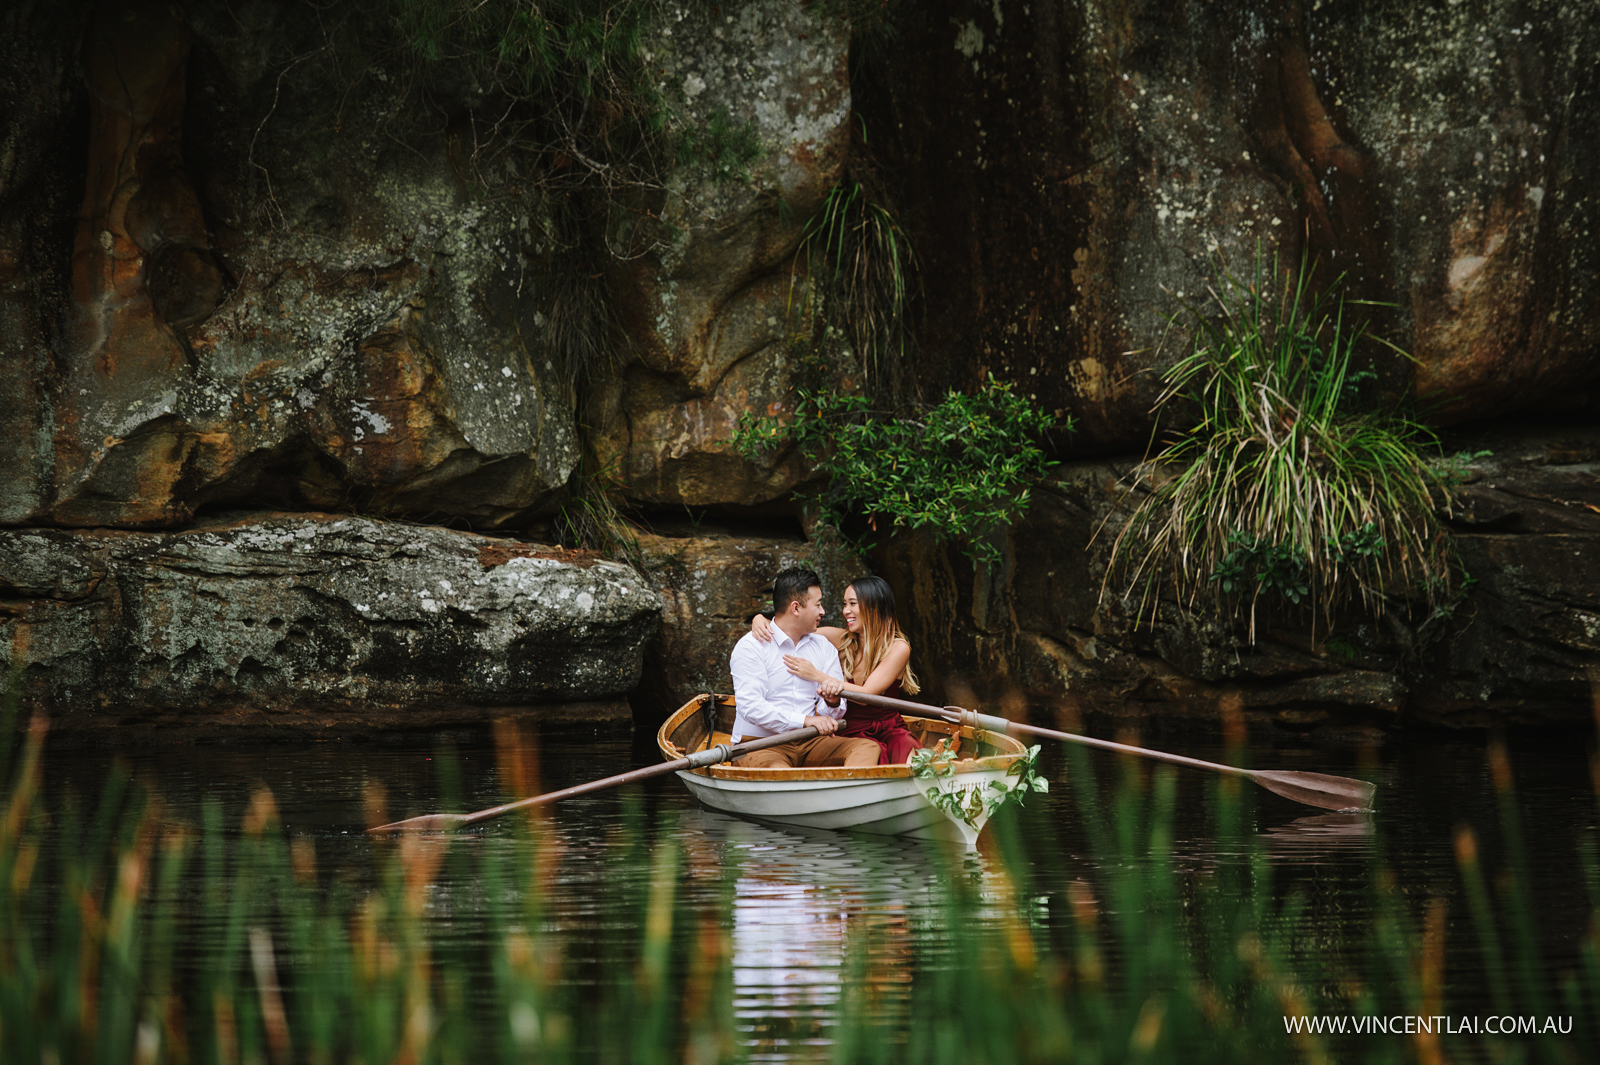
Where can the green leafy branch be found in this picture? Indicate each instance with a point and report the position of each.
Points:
(938, 763)
(570, 89)
(722, 147)
(569, 76)
(962, 469)
(1025, 769)
(932, 763)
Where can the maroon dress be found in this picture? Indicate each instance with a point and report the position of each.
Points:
(886, 727)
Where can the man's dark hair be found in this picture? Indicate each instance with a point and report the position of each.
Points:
(794, 583)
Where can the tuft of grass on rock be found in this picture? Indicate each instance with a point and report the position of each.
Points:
(1288, 484)
(858, 261)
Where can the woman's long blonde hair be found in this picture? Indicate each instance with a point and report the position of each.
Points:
(879, 629)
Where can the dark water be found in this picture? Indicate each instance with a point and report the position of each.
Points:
(799, 896)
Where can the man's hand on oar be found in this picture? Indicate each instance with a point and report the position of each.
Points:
(1314, 789)
(722, 752)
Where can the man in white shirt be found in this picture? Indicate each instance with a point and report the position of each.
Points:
(772, 700)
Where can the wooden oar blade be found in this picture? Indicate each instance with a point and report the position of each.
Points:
(1318, 789)
(425, 823)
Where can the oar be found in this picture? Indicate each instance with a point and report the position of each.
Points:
(1313, 789)
(722, 752)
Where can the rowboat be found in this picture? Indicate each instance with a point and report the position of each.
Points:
(890, 800)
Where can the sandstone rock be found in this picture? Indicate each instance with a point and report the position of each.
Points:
(1072, 172)
(710, 584)
(38, 89)
(709, 312)
(1523, 646)
(278, 294)
(313, 621)
(231, 273)
(142, 263)
(1484, 196)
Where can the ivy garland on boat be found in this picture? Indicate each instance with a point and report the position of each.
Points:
(938, 763)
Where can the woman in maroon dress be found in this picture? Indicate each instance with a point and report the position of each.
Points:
(876, 657)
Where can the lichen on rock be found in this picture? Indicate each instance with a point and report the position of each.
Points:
(710, 313)
(284, 296)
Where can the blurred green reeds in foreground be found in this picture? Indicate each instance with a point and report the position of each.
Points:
(153, 941)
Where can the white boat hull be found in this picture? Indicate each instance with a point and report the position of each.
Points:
(886, 806)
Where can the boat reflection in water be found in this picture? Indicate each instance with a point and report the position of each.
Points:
(809, 907)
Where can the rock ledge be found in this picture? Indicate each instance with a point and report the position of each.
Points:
(314, 621)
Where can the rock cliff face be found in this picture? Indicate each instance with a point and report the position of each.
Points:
(284, 288)
(1073, 172)
(308, 622)
(710, 313)
(236, 271)
(272, 295)
(239, 271)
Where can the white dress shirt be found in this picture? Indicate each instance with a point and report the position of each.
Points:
(770, 698)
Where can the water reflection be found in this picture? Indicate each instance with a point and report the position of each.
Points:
(1342, 834)
(807, 905)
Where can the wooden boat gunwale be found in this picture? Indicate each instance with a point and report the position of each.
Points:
(1012, 749)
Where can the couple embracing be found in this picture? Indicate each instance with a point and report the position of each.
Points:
(790, 674)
